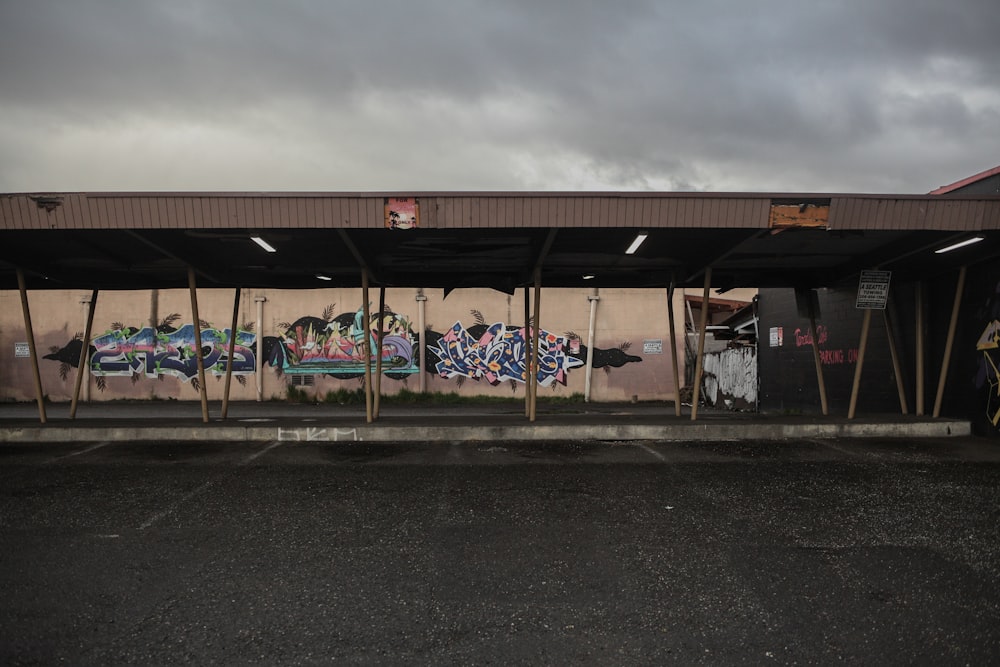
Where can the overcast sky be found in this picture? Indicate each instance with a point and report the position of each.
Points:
(890, 96)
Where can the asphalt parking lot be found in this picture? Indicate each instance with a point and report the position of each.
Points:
(784, 552)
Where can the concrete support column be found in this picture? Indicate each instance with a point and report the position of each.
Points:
(259, 361)
(422, 326)
(527, 352)
(591, 333)
(673, 349)
(366, 346)
(378, 351)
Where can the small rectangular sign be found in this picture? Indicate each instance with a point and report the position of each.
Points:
(652, 346)
(873, 289)
(402, 213)
(22, 351)
(777, 336)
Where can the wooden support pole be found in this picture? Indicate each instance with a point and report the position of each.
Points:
(82, 367)
(533, 375)
(699, 368)
(231, 353)
(366, 343)
(866, 324)
(897, 366)
(259, 348)
(920, 349)
(202, 386)
(30, 333)
(527, 352)
(593, 300)
(824, 405)
(949, 342)
(378, 353)
(422, 347)
(673, 349)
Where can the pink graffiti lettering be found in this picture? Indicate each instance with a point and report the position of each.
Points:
(806, 337)
(837, 357)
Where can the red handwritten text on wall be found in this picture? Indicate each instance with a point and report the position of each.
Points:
(806, 338)
(837, 357)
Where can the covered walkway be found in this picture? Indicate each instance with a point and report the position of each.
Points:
(506, 241)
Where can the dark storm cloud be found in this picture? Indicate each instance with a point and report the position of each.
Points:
(899, 95)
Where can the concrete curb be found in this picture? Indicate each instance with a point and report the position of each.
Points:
(316, 431)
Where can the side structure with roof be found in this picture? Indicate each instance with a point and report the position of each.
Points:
(283, 280)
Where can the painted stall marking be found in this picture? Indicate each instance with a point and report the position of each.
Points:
(315, 434)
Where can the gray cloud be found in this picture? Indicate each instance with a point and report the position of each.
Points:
(898, 95)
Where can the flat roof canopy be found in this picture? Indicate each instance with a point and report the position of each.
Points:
(497, 240)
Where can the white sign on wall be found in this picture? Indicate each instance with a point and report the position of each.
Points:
(652, 346)
(873, 289)
(777, 336)
(21, 351)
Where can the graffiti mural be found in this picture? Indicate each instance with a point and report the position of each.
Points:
(334, 345)
(151, 352)
(163, 351)
(495, 353)
(337, 346)
(731, 378)
(499, 354)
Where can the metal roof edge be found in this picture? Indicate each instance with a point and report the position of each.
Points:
(968, 180)
(505, 193)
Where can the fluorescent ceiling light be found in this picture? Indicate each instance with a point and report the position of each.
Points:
(263, 244)
(960, 244)
(635, 244)
(322, 277)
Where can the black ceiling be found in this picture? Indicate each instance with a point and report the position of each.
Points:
(454, 258)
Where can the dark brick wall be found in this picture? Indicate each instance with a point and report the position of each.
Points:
(972, 390)
(788, 372)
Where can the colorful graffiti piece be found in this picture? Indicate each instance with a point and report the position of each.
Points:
(337, 346)
(153, 352)
(498, 355)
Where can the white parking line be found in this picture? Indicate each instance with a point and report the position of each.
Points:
(174, 506)
(652, 451)
(255, 455)
(86, 450)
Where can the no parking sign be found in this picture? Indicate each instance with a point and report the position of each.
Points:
(873, 289)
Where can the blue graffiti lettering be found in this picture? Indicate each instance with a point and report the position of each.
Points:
(498, 355)
(154, 353)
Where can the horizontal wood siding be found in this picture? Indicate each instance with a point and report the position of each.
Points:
(490, 210)
(935, 214)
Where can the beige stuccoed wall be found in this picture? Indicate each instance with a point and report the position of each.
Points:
(624, 317)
